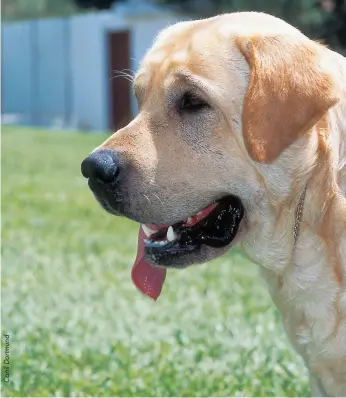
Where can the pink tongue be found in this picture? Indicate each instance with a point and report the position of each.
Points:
(147, 278)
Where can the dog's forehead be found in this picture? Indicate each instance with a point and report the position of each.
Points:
(192, 35)
(173, 47)
(186, 45)
(194, 45)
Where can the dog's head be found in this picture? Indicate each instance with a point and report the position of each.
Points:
(223, 137)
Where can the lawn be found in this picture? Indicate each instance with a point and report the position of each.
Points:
(76, 324)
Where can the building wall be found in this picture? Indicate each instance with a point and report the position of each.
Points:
(55, 70)
(88, 70)
(18, 72)
(52, 58)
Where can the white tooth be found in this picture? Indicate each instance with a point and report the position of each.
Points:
(171, 235)
(189, 220)
(147, 230)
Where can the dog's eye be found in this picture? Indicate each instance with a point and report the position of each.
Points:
(191, 103)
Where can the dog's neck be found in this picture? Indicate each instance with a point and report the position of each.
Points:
(325, 202)
(306, 275)
(309, 271)
(323, 221)
(320, 170)
(326, 193)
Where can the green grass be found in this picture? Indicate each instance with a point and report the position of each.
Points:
(79, 327)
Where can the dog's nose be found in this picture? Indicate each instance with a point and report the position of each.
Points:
(103, 164)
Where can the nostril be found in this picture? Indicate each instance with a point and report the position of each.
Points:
(102, 164)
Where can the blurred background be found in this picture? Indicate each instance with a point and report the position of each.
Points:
(76, 324)
(60, 58)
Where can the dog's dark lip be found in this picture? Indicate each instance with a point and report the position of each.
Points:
(105, 205)
(97, 185)
(101, 197)
(217, 230)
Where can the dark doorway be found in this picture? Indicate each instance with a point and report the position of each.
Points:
(119, 87)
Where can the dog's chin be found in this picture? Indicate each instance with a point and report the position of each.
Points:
(203, 237)
(185, 259)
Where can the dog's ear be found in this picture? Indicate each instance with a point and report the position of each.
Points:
(289, 92)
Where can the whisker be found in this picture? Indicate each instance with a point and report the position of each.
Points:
(124, 73)
(129, 70)
(80, 179)
(124, 77)
(158, 198)
(147, 198)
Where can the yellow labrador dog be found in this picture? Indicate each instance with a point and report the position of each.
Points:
(240, 141)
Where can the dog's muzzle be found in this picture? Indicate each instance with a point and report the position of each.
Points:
(103, 170)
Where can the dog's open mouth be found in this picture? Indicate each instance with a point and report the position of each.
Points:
(215, 226)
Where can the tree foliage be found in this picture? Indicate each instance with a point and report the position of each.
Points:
(98, 4)
(30, 9)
